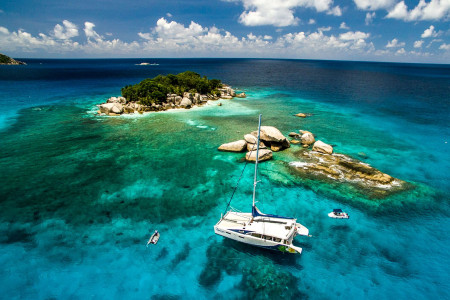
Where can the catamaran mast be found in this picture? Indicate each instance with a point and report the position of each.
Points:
(255, 181)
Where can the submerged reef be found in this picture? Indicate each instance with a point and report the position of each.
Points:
(261, 277)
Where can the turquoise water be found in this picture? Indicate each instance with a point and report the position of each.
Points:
(81, 194)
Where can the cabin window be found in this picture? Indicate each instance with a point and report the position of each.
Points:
(256, 235)
(287, 227)
(277, 240)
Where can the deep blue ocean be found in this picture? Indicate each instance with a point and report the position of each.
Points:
(81, 194)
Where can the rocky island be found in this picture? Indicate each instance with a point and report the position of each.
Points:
(316, 160)
(184, 90)
(6, 60)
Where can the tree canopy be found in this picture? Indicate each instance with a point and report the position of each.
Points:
(155, 90)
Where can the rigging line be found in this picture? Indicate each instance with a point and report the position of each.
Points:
(235, 188)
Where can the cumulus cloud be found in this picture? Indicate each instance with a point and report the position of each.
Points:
(373, 4)
(311, 21)
(445, 47)
(343, 26)
(66, 31)
(351, 36)
(401, 51)
(169, 15)
(433, 10)
(430, 32)
(394, 44)
(281, 13)
(418, 44)
(324, 28)
(369, 18)
(4, 30)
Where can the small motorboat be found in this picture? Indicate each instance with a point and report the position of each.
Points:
(154, 238)
(338, 214)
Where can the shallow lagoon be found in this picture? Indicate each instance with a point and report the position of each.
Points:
(81, 194)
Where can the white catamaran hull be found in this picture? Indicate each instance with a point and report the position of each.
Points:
(247, 239)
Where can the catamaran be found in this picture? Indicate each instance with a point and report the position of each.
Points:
(259, 229)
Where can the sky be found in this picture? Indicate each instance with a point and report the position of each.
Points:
(365, 30)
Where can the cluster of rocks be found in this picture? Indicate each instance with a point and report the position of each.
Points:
(116, 106)
(271, 140)
(316, 158)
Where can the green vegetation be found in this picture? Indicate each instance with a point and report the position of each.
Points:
(155, 90)
(4, 59)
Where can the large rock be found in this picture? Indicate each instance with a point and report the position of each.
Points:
(320, 146)
(226, 97)
(237, 146)
(120, 100)
(186, 102)
(272, 134)
(264, 154)
(105, 107)
(117, 108)
(301, 115)
(308, 139)
(241, 95)
(253, 147)
(250, 138)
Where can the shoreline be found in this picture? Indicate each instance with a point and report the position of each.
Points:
(117, 106)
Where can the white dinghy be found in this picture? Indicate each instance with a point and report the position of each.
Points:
(154, 238)
(259, 229)
(338, 214)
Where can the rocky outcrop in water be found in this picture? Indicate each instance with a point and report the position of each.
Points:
(322, 164)
(237, 146)
(340, 167)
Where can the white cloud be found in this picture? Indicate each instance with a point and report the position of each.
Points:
(90, 32)
(343, 26)
(4, 30)
(324, 28)
(1, 11)
(267, 37)
(401, 51)
(169, 15)
(281, 13)
(335, 11)
(373, 4)
(67, 31)
(433, 10)
(350, 36)
(394, 44)
(445, 47)
(369, 18)
(311, 21)
(429, 32)
(418, 44)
